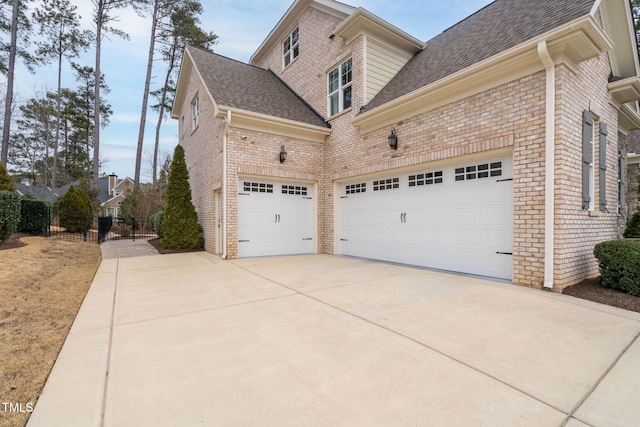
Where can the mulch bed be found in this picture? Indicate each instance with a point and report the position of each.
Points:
(592, 290)
(156, 243)
(13, 241)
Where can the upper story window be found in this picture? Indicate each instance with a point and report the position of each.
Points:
(291, 47)
(195, 112)
(340, 91)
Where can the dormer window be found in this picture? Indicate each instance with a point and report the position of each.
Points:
(291, 47)
(340, 91)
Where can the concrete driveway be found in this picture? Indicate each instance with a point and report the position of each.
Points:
(188, 339)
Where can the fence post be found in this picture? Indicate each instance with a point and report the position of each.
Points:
(86, 226)
(133, 229)
(47, 221)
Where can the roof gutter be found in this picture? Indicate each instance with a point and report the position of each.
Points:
(550, 136)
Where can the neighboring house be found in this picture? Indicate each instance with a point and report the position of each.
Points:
(112, 193)
(494, 149)
(37, 192)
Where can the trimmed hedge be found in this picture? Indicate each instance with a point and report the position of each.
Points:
(33, 216)
(9, 214)
(620, 264)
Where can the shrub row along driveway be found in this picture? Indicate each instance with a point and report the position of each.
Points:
(323, 340)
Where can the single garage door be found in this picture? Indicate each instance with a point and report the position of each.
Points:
(275, 218)
(457, 218)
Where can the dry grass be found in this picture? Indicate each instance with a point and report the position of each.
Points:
(42, 286)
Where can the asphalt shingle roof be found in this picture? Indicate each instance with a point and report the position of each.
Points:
(496, 28)
(238, 85)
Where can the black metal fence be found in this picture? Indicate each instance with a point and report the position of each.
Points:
(110, 228)
(90, 228)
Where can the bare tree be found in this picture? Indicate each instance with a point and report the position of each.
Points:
(182, 29)
(103, 14)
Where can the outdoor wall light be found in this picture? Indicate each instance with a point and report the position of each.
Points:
(393, 139)
(283, 154)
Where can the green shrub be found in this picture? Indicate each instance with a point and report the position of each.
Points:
(620, 264)
(6, 181)
(72, 209)
(633, 227)
(9, 214)
(156, 222)
(180, 223)
(33, 218)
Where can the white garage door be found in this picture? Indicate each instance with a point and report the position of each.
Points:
(275, 218)
(456, 218)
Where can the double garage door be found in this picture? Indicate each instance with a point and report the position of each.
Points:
(457, 218)
(275, 218)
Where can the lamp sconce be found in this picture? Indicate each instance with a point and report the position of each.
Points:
(393, 139)
(283, 154)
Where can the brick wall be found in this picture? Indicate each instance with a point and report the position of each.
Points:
(203, 155)
(307, 74)
(578, 230)
(253, 153)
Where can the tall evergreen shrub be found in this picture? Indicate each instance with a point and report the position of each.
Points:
(180, 226)
(72, 208)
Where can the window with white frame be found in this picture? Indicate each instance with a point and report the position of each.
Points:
(340, 92)
(195, 112)
(291, 47)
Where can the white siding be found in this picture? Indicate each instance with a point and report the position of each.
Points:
(382, 63)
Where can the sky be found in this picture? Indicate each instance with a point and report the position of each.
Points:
(241, 26)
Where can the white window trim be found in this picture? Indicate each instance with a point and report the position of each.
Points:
(294, 48)
(340, 89)
(195, 112)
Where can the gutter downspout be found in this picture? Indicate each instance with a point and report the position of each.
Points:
(549, 188)
(224, 184)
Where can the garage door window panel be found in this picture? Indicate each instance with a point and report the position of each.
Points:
(428, 178)
(481, 171)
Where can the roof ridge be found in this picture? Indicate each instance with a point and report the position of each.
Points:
(300, 98)
(225, 57)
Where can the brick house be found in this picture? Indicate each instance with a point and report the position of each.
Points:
(495, 149)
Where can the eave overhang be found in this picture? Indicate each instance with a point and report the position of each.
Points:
(570, 44)
(624, 91)
(250, 120)
(364, 22)
(628, 118)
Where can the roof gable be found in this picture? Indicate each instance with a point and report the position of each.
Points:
(496, 28)
(234, 84)
(330, 7)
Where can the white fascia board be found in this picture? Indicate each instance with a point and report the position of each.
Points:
(364, 22)
(573, 43)
(250, 120)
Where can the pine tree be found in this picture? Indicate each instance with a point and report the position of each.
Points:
(180, 223)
